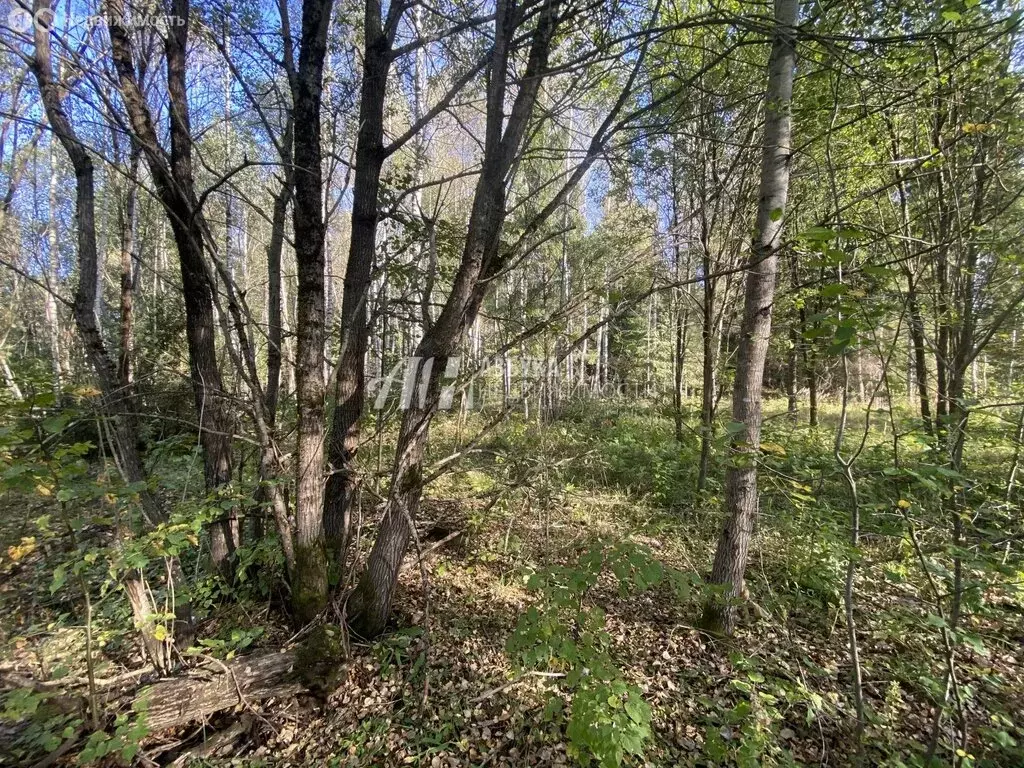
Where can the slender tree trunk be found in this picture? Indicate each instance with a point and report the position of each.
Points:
(741, 476)
(1011, 480)
(215, 415)
(309, 581)
(943, 307)
(112, 398)
(792, 406)
(176, 191)
(270, 468)
(708, 400)
(53, 280)
(679, 362)
(126, 361)
(918, 344)
(812, 382)
(916, 324)
(681, 312)
(275, 250)
(604, 368)
(350, 384)
(482, 259)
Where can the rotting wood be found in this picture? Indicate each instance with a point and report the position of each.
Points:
(212, 687)
(217, 743)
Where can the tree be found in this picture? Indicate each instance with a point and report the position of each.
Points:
(741, 475)
(175, 187)
(484, 256)
(116, 395)
(379, 56)
(309, 581)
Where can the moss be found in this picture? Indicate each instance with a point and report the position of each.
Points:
(318, 658)
(309, 585)
(412, 479)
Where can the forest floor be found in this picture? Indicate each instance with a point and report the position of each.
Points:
(442, 690)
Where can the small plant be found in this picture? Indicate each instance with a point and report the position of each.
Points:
(123, 742)
(751, 732)
(608, 718)
(43, 726)
(236, 641)
(395, 651)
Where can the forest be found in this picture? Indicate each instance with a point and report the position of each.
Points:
(511, 383)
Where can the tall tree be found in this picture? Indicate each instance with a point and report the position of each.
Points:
(172, 174)
(349, 387)
(370, 604)
(484, 256)
(741, 475)
(309, 581)
(116, 393)
(379, 55)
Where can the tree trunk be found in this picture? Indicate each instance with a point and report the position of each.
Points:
(918, 343)
(200, 329)
(707, 402)
(741, 476)
(112, 397)
(53, 280)
(792, 406)
(216, 686)
(309, 581)
(812, 382)
(681, 312)
(269, 466)
(275, 250)
(126, 362)
(1018, 443)
(175, 189)
(482, 259)
(350, 385)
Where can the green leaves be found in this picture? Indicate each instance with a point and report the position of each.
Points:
(818, 234)
(846, 333)
(833, 290)
(54, 424)
(60, 577)
(608, 718)
(124, 742)
(607, 722)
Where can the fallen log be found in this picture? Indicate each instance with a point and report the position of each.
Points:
(217, 743)
(216, 685)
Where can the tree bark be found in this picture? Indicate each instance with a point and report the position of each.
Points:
(681, 308)
(741, 476)
(275, 250)
(708, 401)
(175, 189)
(917, 341)
(350, 383)
(126, 361)
(50, 311)
(793, 404)
(309, 581)
(216, 686)
(370, 603)
(917, 337)
(113, 395)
